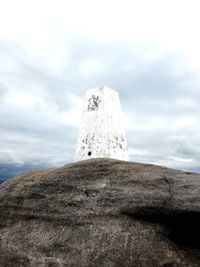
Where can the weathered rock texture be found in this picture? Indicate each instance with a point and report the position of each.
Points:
(101, 213)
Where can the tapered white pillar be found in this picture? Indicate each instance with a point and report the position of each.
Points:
(101, 133)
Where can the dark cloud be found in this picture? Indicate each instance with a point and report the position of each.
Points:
(55, 88)
(8, 171)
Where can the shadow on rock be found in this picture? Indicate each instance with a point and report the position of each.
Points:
(183, 228)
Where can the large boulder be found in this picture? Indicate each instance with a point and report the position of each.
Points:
(102, 213)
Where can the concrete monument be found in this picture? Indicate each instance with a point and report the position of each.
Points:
(101, 133)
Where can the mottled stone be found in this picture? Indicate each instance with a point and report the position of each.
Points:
(101, 132)
(101, 212)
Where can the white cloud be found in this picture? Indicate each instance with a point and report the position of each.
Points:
(91, 67)
(186, 102)
(51, 51)
(182, 160)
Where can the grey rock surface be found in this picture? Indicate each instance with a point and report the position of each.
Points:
(101, 212)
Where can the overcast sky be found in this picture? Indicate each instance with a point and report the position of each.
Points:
(52, 51)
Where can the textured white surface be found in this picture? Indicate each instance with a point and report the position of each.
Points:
(101, 134)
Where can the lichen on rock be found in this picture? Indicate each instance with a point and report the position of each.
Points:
(101, 212)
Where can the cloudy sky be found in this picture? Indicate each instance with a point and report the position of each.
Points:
(52, 51)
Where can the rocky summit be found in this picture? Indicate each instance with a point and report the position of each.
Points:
(102, 213)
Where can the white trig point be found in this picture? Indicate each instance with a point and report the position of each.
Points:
(101, 133)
